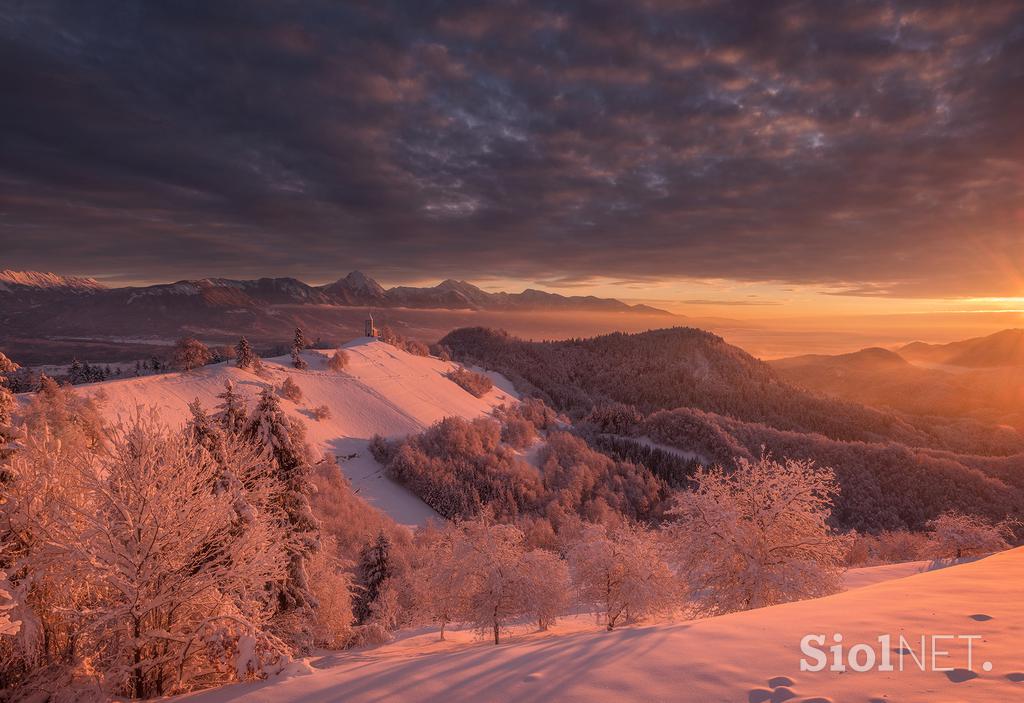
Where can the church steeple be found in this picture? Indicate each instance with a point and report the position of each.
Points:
(370, 330)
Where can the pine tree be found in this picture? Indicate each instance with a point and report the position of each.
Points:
(244, 356)
(283, 443)
(231, 412)
(298, 345)
(375, 568)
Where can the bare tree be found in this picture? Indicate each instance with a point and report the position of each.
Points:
(759, 535)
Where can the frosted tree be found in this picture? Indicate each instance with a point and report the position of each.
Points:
(245, 357)
(190, 353)
(374, 570)
(298, 344)
(544, 583)
(6, 365)
(9, 627)
(338, 360)
(438, 583)
(290, 390)
(231, 412)
(8, 434)
(282, 440)
(622, 571)
(759, 535)
(137, 559)
(488, 555)
(954, 535)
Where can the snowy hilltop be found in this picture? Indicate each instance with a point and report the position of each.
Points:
(383, 391)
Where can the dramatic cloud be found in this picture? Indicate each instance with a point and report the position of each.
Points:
(871, 147)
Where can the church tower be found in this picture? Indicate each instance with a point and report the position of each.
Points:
(370, 330)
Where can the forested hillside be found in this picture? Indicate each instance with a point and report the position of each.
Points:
(690, 391)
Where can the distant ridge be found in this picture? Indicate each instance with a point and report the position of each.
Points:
(1005, 348)
(36, 279)
(353, 289)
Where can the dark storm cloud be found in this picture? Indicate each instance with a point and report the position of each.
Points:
(872, 147)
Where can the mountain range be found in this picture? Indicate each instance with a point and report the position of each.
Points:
(26, 288)
(47, 318)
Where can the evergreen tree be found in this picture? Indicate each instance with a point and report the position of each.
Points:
(375, 568)
(298, 345)
(283, 443)
(244, 356)
(231, 412)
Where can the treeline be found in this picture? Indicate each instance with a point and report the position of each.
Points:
(685, 367)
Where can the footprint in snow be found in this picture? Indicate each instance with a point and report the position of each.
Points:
(960, 675)
(980, 617)
(780, 681)
(1016, 677)
(782, 693)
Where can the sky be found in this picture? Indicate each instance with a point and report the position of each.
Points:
(741, 159)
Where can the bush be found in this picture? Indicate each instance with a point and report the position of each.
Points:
(321, 412)
(338, 360)
(472, 382)
(290, 390)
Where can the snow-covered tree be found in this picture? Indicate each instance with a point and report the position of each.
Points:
(544, 583)
(338, 360)
(290, 390)
(437, 581)
(190, 353)
(9, 627)
(758, 535)
(298, 344)
(282, 440)
(488, 555)
(954, 535)
(245, 357)
(375, 569)
(332, 587)
(139, 562)
(623, 571)
(6, 365)
(7, 433)
(231, 412)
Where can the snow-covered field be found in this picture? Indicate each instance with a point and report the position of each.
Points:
(384, 390)
(751, 656)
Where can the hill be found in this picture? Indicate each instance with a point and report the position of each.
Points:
(747, 656)
(383, 390)
(685, 367)
(1005, 348)
(935, 384)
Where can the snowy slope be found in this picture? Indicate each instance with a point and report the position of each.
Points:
(382, 391)
(729, 658)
